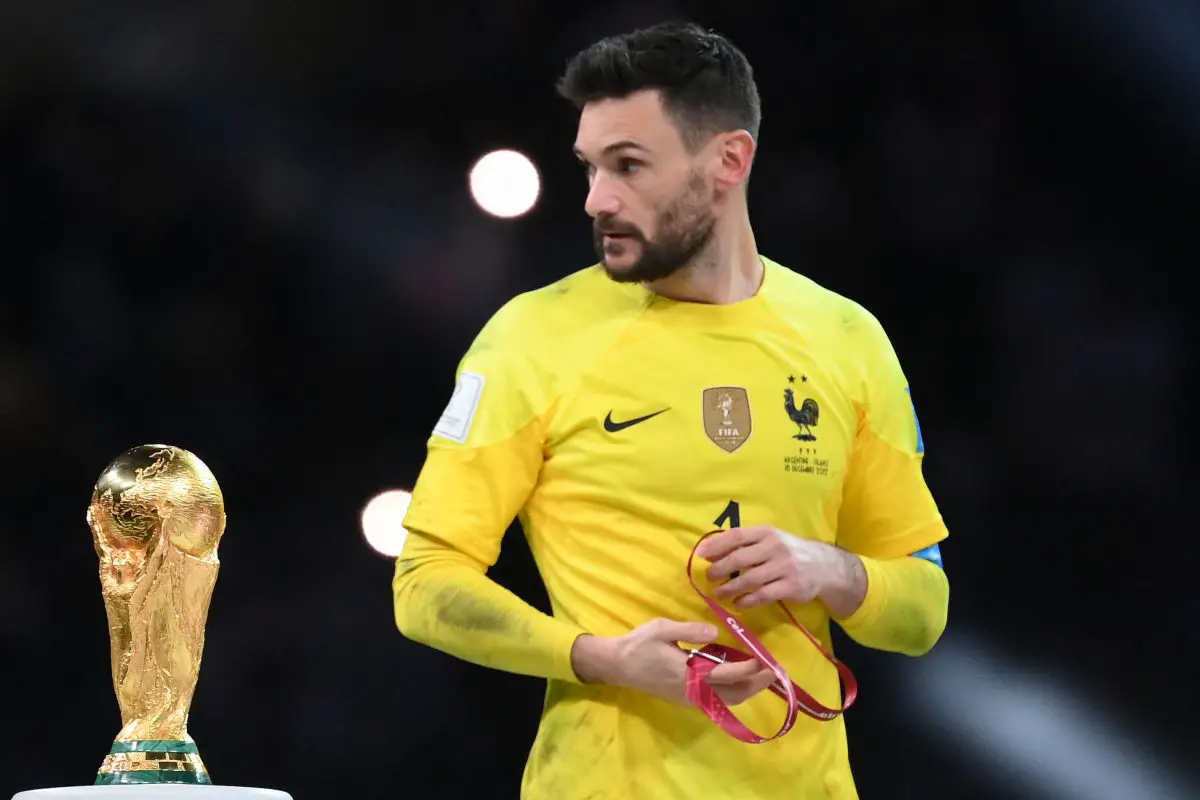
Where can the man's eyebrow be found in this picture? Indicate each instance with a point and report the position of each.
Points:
(624, 144)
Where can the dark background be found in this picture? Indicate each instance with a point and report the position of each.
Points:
(244, 228)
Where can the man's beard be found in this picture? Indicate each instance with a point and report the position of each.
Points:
(685, 229)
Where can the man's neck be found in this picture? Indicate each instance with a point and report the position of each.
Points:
(728, 271)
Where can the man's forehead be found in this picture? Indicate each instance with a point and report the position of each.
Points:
(627, 123)
(607, 148)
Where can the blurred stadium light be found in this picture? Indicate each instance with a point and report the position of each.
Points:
(1034, 732)
(382, 519)
(505, 183)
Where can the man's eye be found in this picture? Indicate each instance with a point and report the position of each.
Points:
(628, 166)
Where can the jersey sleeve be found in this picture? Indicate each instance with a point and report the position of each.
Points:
(887, 509)
(486, 450)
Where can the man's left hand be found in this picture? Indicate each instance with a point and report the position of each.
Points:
(771, 565)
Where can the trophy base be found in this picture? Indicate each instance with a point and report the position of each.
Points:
(149, 791)
(157, 761)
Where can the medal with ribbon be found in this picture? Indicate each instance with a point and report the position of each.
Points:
(702, 661)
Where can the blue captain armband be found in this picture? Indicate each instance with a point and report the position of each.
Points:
(932, 554)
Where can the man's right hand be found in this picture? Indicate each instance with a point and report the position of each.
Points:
(649, 660)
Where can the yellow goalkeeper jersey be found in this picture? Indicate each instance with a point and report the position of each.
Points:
(619, 427)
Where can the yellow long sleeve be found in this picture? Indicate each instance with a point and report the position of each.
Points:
(905, 608)
(444, 599)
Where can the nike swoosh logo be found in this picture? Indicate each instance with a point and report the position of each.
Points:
(613, 427)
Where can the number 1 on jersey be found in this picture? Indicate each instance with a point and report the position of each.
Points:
(732, 515)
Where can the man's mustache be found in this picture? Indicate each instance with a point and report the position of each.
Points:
(603, 225)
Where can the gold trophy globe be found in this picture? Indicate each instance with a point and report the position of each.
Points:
(157, 516)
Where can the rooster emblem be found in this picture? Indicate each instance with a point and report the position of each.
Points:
(805, 416)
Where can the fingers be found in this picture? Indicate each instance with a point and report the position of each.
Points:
(723, 543)
(718, 545)
(739, 560)
(735, 694)
(755, 685)
(770, 593)
(733, 672)
(750, 580)
(667, 630)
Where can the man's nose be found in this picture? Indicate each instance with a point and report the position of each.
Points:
(602, 197)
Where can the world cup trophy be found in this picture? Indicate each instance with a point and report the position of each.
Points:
(157, 516)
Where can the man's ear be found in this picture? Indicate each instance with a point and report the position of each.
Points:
(735, 156)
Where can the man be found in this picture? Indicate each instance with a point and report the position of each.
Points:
(683, 384)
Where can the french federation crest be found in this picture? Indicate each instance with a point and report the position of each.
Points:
(727, 416)
(805, 416)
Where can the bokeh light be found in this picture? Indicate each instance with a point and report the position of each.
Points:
(382, 521)
(505, 183)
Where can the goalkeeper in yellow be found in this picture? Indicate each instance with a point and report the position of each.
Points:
(684, 383)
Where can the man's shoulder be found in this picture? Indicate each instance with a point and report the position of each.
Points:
(556, 316)
(584, 288)
(852, 336)
(804, 301)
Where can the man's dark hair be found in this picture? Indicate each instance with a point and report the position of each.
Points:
(707, 84)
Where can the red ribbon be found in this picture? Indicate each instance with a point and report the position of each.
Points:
(702, 661)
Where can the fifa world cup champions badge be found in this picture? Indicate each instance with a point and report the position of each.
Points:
(157, 516)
